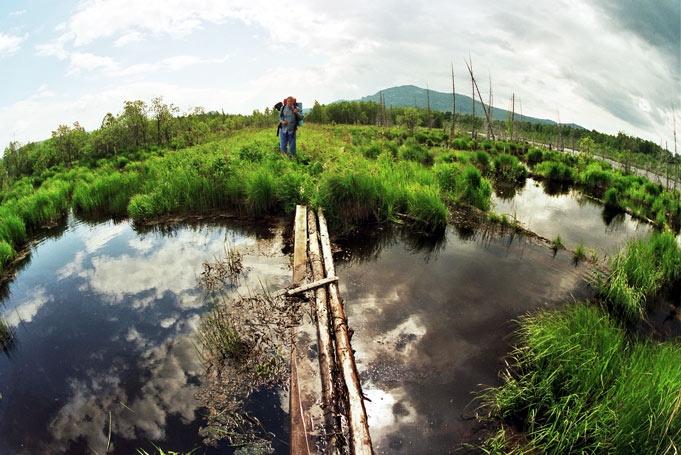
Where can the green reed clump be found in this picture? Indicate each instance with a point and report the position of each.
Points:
(508, 167)
(612, 199)
(639, 273)
(534, 155)
(580, 253)
(293, 188)
(220, 338)
(183, 183)
(643, 414)
(555, 171)
(7, 253)
(372, 150)
(107, 194)
(12, 228)
(426, 208)
(596, 175)
(557, 244)
(261, 191)
(446, 174)
(473, 189)
(577, 383)
(352, 197)
(47, 204)
(483, 159)
(411, 150)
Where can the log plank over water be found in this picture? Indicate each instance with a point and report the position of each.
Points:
(299, 431)
(360, 439)
(342, 401)
(324, 339)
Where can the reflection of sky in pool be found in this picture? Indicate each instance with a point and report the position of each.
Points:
(577, 219)
(104, 319)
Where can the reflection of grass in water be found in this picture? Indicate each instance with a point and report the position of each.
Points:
(6, 335)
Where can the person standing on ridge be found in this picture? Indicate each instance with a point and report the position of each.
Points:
(289, 117)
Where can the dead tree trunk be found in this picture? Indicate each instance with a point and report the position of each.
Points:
(484, 108)
(453, 128)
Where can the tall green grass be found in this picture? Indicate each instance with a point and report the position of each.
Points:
(107, 194)
(508, 167)
(7, 254)
(473, 189)
(640, 272)
(427, 209)
(351, 198)
(577, 383)
(12, 228)
(46, 205)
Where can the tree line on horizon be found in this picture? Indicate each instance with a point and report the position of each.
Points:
(156, 125)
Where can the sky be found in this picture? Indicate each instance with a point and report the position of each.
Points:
(609, 65)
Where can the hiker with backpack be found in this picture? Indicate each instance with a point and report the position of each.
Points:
(289, 116)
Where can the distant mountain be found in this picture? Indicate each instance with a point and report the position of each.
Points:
(413, 96)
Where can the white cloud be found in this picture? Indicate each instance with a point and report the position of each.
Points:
(83, 61)
(588, 62)
(10, 44)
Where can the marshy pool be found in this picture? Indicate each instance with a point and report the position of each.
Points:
(105, 318)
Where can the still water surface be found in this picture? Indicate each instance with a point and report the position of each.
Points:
(105, 316)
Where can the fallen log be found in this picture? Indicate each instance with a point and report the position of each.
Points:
(360, 439)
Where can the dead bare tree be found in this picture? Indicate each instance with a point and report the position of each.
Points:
(429, 121)
(485, 109)
(490, 133)
(676, 156)
(451, 132)
(470, 70)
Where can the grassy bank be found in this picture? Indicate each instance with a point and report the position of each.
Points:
(582, 379)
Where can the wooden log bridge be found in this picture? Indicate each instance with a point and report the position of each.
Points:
(326, 403)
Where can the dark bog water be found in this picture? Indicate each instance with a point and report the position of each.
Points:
(105, 319)
(555, 211)
(431, 327)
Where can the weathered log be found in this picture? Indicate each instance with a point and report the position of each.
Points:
(360, 439)
(300, 246)
(299, 432)
(324, 338)
(309, 286)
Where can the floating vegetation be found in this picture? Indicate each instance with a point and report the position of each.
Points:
(242, 342)
(221, 273)
(160, 451)
(579, 254)
(557, 244)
